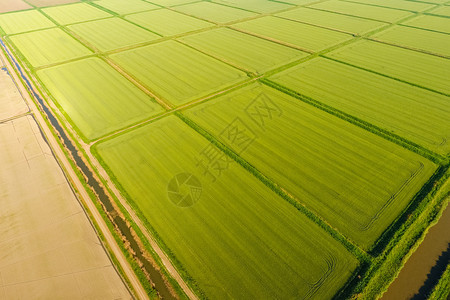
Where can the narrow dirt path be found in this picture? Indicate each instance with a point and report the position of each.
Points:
(82, 194)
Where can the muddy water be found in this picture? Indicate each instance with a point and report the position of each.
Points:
(157, 279)
(424, 268)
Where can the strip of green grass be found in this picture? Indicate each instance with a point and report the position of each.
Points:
(442, 289)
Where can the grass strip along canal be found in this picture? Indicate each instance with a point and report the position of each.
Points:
(128, 236)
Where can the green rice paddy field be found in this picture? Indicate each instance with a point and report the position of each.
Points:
(271, 148)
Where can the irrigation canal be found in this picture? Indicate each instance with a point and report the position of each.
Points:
(119, 222)
(425, 266)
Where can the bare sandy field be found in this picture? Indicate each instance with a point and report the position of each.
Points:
(48, 247)
(13, 5)
(42, 3)
(11, 101)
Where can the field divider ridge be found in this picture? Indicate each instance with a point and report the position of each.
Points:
(387, 76)
(104, 231)
(408, 47)
(384, 133)
(173, 110)
(410, 229)
(382, 6)
(362, 256)
(143, 243)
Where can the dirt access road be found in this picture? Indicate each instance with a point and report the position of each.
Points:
(81, 192)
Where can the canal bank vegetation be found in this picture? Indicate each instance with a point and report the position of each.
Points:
(386, 266)
(442, 289)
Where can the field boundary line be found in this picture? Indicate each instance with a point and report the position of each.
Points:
(143, 227)
(426, 29)
(102, 232)
(136, 270)
(332, 28)
(164, 103)
(383, 133)
(408, 47)
(411, 233)
(393, 196)
(283, 193)
(16, 117)
(384, 75)
(170, 112)
(349, 15)
(383, 6)
(227, 62)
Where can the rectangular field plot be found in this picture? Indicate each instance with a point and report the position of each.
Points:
(229, 233)
(398, 4)
(243, 50)
(260, 6)
(299, 2)
(426, 70)
(362, 10)
(434, 42)
(13, 5)
(436, 1)
(48, 46)
(11, 101)
(434, 23)
(48, 245)
(358, 182)
(168, 3)
(19, 22)
(441, 11)
(111, 34)
(75, 13)
(416, 114)
(167, 22)
(96, 98)
(214, 12)
(293, 33)
(125, 7)
(331, 20)
(176, 72)
(44, 3)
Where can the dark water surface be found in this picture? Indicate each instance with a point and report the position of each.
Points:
(155, 275)
(425, 266)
